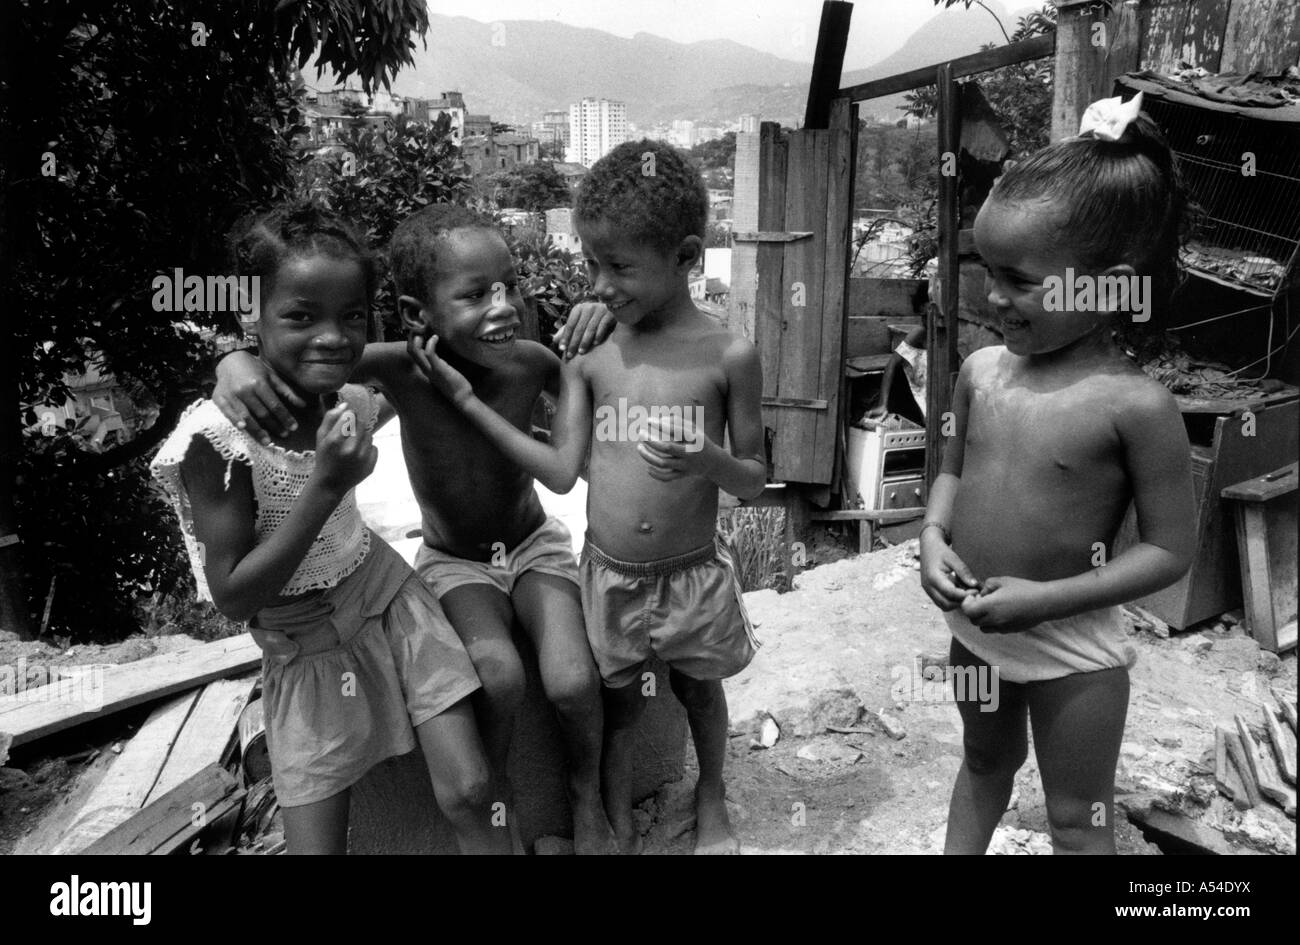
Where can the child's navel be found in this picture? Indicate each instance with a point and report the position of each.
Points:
(645, 528)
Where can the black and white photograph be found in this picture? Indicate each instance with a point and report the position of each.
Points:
(577, 427)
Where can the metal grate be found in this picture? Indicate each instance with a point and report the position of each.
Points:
(1249, 234)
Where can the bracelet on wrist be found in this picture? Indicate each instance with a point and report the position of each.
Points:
(943, 530)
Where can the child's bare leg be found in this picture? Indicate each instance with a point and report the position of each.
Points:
(623, 708)
(995, 746)
(706, 711)
(1078, 724)
(319, 828)
(462, 781)
(551, 613)
(483, 617)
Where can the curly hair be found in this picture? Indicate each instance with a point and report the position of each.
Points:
(413, 249)
(260, 243)
(1118, 202)
(647, 188)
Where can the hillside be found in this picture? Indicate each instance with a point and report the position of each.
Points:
(517, 69)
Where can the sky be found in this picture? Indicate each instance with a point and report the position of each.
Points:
(785, 28)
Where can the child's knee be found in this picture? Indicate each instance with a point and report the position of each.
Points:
(466, 792)
(503, 680)
(1080, 825)
(572, 688)
(988, 759)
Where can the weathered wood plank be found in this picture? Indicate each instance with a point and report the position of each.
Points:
(1207, 21)
(801, 303)
(1162, 44)
(1038, 47)
(743, 296)
(835, 270)
(131, 684)
(771, 261)
(1284, 744)
(1093, 47)
(170, 821)
(206, 733)
(126, 786)
(1261, 35)
(1245, 770)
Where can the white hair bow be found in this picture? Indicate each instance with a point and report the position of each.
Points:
(1108, 118)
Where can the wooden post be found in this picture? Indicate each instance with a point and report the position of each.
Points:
(744, 256)
(941, 346)
(1094, 46)
(828, 62)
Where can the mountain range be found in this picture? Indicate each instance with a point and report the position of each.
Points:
(517, 69)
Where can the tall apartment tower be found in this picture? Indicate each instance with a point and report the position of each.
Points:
(749, 124)
(596, 127)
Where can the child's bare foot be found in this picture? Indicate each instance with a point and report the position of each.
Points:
(592, 834)
(713, 833)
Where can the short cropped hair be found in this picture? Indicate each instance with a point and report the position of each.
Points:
(649, 189)
(413, 249)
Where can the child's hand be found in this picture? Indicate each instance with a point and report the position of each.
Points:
(588, 324)
(252, 396)
(944, 576)
(344, 453)
(673, 450)
(1007, 605)
(445, 379)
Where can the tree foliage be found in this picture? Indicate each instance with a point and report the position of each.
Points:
(136, 132)
(534, 187)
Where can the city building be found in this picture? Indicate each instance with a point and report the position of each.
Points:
(749, 124)
(683, 133)
(553, 129)
(452, 104)
(478, 125)
(596, 127)
(559, 227)
(515, 149)
(572, 174)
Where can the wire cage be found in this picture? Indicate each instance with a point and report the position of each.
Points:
(1244, 173)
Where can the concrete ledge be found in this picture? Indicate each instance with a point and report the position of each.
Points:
(393, 807)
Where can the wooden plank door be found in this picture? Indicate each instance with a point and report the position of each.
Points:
(805, 188)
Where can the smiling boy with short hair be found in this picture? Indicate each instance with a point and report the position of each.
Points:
(656, 577)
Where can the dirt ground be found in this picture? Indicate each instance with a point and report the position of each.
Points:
(849, 634)
(838, 646)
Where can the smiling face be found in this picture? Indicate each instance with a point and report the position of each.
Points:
(475, 305)
(635, 279)
(312, 328)
(1021, 249)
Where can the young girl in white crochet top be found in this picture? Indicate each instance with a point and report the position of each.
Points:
(359, 662)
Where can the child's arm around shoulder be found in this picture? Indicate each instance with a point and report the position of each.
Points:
(556, 464)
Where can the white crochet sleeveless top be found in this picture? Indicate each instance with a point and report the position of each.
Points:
(279, 476)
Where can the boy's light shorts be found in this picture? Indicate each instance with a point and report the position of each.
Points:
(687, 610)
(349, 671)
(549, 550)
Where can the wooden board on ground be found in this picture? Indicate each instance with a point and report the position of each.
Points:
(1245, 770)
(126, 786)
(1260, 758)
(207, 731)
(1284, 744)
(173, 820)
(131, 684)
